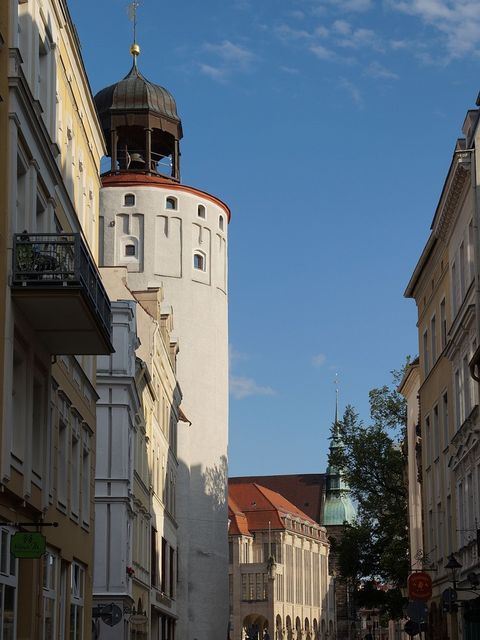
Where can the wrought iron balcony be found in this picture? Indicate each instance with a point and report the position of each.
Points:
(56, 284)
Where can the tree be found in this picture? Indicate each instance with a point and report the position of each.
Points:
(374, 549)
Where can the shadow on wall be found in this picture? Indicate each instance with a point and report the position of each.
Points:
(206, 534)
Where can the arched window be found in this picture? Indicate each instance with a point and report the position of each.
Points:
(220, 222)
(129, 200)
(171, 203)
(199, 261)
(129, 249)
(201, 212)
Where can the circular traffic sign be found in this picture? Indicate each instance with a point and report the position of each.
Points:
(411, 628)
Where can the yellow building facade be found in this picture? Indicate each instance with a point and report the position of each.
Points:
(55, 316)
(444, 288)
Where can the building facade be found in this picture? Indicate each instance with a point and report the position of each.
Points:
(445, 290)
(55, 318)
(168, 234)
(279, 584)
(138, 413)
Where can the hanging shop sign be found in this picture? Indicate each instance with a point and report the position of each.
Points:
(419, 586)
(28, 545)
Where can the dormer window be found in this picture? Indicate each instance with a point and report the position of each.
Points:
(199, 261)
(201, 212)
(129, 200)
(220, 222)
(171, 203)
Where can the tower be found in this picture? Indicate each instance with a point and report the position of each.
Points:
(172, 235)
(338, 509)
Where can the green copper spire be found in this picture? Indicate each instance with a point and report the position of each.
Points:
(338, 507)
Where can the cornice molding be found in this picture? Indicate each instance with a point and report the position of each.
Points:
(448, 205)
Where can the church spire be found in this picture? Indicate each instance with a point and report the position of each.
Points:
(338, 507)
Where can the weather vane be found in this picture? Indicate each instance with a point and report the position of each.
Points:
(132, 14)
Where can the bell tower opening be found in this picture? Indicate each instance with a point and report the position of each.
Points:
(141, 126)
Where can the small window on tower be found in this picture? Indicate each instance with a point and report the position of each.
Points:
(171, 203)
(201, 211)
(129, 249)
(220, 222)
(199, 261)
(129, 200)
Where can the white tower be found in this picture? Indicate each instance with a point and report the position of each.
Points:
(173, 235)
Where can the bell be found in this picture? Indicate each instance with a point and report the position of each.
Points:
(137, 158)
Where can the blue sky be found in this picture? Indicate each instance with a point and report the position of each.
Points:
(328, 127)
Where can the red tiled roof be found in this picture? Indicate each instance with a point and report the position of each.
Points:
(260, 507)
(304, 490)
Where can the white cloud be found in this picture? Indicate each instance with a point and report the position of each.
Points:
(286, 32)
(342, 26)
(228, 58)
(231, 54)
(236, 356)
(457, 20)
(321, 52)
(293, 71)
(379, 72)
(352, 6)
(360, 38)
(319, 360)
(243, 387)
(215, 73)
(352, 90)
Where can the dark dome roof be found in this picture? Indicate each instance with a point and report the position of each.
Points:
(136, 93)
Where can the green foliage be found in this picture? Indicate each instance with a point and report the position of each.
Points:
(374, 549)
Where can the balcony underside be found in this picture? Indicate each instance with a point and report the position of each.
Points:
(63, 320)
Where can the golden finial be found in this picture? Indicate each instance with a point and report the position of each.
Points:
(132, 12)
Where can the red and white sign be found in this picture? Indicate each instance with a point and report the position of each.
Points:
(419, 586)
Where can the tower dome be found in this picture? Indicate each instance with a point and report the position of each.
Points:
(141, 125)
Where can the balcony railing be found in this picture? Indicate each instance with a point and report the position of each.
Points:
(59, 261)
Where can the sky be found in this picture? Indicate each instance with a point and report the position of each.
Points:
(328, 127)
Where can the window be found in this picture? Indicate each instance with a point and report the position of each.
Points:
(466, 387)
(428, 442)
(458, 401)
(129, 200)
(433, 337)
(76, 601)
(171, 203)
(49, 595)
(221, 222)
(426, 359)
(8, 584)
(436, 433)
(454, 289)
(462, 272)
(443, 323)
(86, 478)
(129, 249)
(471, 256)
(201, 212)
(75, 474)
(199, 261)
(446, 436)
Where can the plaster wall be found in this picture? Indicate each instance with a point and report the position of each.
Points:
(167, 240)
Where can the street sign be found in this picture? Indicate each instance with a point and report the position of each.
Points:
(411, 628)
(138, 618)
(111, 614)
(419, 586)
(27, 545)
(449, 596)
(417, 610)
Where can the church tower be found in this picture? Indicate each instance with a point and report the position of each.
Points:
(338, 509)
(168, 234)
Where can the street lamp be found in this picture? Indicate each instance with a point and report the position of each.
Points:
(453, 564)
